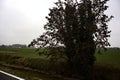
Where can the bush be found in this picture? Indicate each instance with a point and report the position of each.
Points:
(44, 65)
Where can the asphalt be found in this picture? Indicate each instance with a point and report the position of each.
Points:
(7, 76)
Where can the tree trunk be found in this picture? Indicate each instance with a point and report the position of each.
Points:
(84, 61)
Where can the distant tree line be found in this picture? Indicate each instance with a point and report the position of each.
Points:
(14, 46)
(115, 48)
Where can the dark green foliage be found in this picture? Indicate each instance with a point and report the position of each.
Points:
(74, 30)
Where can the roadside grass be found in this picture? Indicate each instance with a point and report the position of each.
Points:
(31, 75)
(27, 57)
(109, 58)
(107, 64)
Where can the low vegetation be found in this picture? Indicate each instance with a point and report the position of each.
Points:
(109, 58)
(107, 63)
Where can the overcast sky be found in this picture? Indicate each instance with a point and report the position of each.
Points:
(23, 20)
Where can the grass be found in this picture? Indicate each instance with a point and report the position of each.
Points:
(107, 64)
(109, 58)
(28, 58)
(21, 52)
(31, 75)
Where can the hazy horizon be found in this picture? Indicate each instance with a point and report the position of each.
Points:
(22, 20)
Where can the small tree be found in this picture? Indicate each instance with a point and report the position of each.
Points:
(75, 29)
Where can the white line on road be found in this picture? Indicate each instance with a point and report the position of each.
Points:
(11, 75)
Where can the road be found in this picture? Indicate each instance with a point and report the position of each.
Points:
(7, 76)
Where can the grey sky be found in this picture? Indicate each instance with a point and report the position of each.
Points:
(23, 20)
(114, 24)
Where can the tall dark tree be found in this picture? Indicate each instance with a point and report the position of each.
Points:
(75, 28)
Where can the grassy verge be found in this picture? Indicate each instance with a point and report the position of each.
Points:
(29, 74)
(107, 66)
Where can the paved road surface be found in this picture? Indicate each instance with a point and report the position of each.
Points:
(7, 76)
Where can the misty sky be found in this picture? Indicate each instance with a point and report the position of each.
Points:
(23, 20)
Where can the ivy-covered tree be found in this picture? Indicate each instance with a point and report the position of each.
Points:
(74, 30)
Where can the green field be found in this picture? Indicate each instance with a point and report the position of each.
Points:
(28, 57)
(111, 57)
(21, 52)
